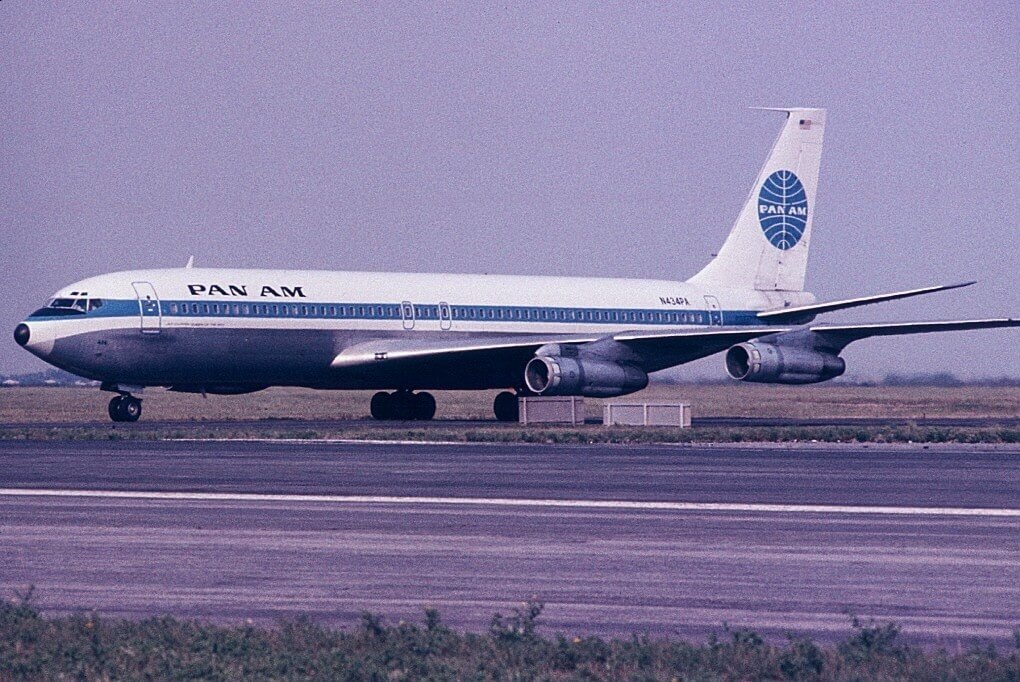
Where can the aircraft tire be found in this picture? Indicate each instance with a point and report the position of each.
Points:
(382, 406)
(115, 408)
(505, 407)
(402, 405)
(424, 405)
(125, 408)
(131, 408)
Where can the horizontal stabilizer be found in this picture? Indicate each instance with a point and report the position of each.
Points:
(787, 315)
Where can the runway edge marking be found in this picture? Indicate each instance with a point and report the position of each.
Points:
(509, 502)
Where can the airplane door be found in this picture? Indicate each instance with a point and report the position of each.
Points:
(714, 311)
(445, 318)
(148, 307)
(407, 314)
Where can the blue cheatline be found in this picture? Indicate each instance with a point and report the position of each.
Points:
(783, 209)
(422, 313)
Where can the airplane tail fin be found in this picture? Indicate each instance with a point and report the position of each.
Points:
(767, 249)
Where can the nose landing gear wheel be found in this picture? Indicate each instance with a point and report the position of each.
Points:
(125, 408)
(505, 407)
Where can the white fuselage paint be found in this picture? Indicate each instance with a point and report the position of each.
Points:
(680, 304)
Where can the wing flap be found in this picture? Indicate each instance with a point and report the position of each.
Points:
(389, 351)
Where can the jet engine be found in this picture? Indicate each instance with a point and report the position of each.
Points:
(767, 363)
(592, 378)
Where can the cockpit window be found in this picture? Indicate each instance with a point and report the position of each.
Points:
(95, 303)
(68, 303)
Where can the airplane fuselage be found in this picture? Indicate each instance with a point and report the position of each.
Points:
(226, 330)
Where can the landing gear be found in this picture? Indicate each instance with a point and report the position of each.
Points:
(424, 406)
(403, 405)
(505, 407)
(125, 408)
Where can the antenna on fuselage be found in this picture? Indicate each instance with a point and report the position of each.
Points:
(191, 262)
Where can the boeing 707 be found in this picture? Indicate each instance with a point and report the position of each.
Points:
(229, 331)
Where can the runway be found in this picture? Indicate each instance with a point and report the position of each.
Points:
(615, 539)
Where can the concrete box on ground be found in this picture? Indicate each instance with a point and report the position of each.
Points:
(558, 410)
(647, 414)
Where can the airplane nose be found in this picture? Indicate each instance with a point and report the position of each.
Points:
(22, 334)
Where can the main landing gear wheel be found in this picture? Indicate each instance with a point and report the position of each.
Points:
(403, 405)
(424, 406)
(125, 408)
(505, 407)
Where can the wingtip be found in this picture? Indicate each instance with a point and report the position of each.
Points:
(956, 285)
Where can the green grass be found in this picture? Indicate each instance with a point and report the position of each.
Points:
(87, 407)
(89, 647)
(590, 434)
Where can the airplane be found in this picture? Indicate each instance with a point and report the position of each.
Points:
(231, 331)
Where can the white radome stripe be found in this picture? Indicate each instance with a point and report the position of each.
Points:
(510, 502)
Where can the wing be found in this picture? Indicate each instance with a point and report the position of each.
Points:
(838, 337)
(807, 312)
(499, 359)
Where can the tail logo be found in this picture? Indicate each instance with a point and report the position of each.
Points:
(783, 209)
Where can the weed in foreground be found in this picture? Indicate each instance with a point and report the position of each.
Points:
(85, 646)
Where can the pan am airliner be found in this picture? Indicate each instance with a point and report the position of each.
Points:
(223, 331)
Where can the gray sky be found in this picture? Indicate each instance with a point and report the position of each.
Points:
(568, 139)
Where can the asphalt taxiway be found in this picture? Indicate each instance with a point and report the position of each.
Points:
(615, 539)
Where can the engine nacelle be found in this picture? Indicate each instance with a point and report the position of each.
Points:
(766, 363)
(557, 375)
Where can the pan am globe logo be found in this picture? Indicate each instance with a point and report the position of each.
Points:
(783, 209)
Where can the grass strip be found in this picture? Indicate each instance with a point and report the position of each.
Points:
(593, 434)
(87, 646)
